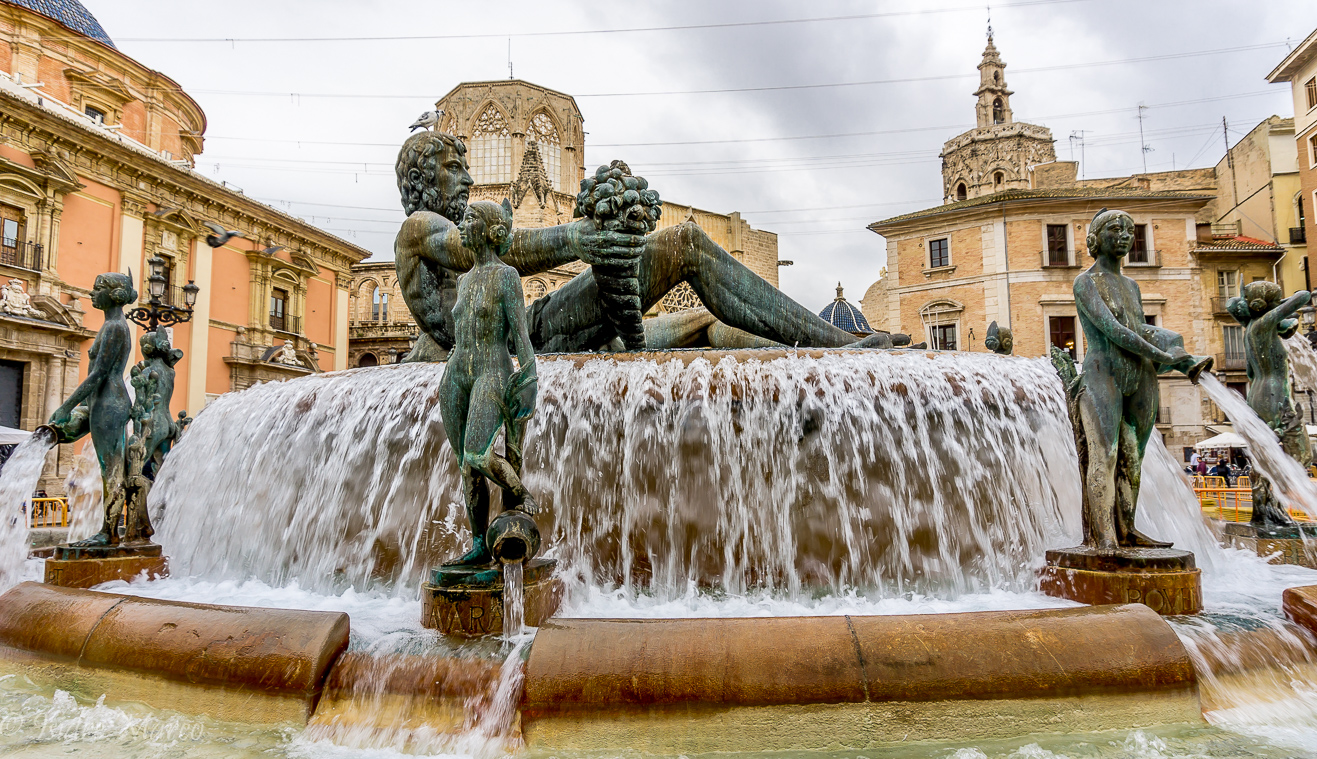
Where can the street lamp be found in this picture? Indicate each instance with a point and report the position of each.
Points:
(156, 314)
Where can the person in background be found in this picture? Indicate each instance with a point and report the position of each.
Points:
(1193, 460)
(1222, 471)
(1202, 466)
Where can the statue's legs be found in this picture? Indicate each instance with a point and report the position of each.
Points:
(453, 407)
(484, 418)
(1140, 416)
(110, 453)
(1100, 409)
(735, 295)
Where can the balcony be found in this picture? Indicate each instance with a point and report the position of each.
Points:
(24, 255)
(1164, 415)
(1049, 261)
(1149, 258)
(1298, 236)
(1219, 307)
(290, 324)
(1230, 361)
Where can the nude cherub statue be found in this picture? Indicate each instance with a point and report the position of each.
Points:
(101, 405)
(1113, 404)
(480, 392)
(1267, 320)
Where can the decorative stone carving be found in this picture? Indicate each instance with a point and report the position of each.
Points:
(680, 298)
(15, 301)
(531, 178)
(287, 355)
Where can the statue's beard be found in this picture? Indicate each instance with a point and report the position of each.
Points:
(454, 208)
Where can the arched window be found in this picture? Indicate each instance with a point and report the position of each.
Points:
(546, 137)
(368, 359)
(961, 193)
(998, 111)
(534, 290)
(379, 306)
(491, 148)
(996, 77)
(997, 180)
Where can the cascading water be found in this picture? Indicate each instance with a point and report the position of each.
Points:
(1289, 478)
(514, 601)
(17, 482)
(888, 471)
(86, 494)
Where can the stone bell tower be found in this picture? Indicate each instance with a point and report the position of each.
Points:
(997, 154)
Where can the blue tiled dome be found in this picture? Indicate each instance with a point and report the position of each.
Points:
(70, 13)
(844, 316)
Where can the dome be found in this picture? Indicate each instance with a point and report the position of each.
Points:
(71, 14)
(844, 316)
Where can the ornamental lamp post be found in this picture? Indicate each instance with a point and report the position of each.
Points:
(156, 314)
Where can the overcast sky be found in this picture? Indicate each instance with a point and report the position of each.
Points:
(813, 164)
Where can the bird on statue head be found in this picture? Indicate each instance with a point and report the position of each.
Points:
(428, 120)
(219, 235)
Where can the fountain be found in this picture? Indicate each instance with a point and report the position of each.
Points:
(769, 548)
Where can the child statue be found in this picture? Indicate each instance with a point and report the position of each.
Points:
(100, 405)
(1267, 320)
(158, 360)
(1113, 404)
(480, 392)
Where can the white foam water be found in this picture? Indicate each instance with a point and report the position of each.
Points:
(86, 494)
(886, 471)
(1288, 477)
(18, 480)
(514, 601)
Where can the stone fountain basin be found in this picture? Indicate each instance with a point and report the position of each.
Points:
(660, 685)
(231, 663)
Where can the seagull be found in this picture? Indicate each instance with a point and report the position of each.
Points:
(428, 120)
(220, 236)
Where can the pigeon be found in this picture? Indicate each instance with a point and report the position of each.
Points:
(428, 120)
(220, 236)
(272, 250)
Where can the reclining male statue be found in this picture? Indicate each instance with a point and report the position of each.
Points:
(744, 310)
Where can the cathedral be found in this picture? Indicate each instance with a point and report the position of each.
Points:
(999, 153)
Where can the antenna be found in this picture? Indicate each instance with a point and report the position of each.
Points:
(509, 57)
(1078, 136)
(989, 22)
(1146, 148)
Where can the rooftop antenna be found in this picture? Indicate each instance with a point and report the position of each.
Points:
(1078, 136)
(990, 22)
(1146, 148)
(509, 57)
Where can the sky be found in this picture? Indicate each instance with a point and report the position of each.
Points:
(811, 119)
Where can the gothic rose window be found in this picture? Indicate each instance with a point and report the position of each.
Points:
(545, 135)
(491, 148)
(680, 298)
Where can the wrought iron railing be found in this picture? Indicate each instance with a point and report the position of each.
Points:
(1230, 360)
(285, 323)
(24, 255)
(1219, 306)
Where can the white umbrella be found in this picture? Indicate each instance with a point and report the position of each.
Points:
(9, 436)
(1224, 440)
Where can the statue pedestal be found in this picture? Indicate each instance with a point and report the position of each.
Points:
(468, 601)
(1164, 579)
(84, 567)
(1296, 545)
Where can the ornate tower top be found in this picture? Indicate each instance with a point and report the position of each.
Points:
(994, 106)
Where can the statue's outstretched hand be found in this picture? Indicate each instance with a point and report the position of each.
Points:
(604, 247)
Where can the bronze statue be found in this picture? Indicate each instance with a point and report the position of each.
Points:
(1267, 320)
(434, 183)
(158, 359)
(480, 392)
(1000, 340)
(1113, 404)
(100, 405)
